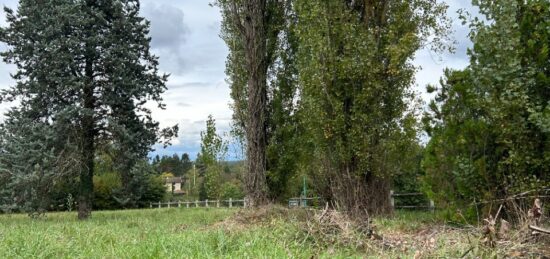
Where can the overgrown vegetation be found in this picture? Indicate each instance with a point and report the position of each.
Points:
(321, 94)
(273, 232)
(488, 122)
(339, 108)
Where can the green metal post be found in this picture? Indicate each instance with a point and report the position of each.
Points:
(305, 193)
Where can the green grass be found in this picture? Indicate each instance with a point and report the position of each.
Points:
(153, 233)
(203, 233)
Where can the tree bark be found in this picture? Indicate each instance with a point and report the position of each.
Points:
(255, 38)
(86, 192)
(87, 173)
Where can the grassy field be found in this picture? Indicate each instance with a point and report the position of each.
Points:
(218, 233)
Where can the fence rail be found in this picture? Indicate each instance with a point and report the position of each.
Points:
(303, 201)
(430, 206)
(293, 202)
(195, 204)
(312, 201)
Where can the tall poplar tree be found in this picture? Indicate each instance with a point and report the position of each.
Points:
(84, 68)
(251, 29)
(355, 75)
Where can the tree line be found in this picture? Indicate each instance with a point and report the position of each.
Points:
(320, 89)
(323, 89)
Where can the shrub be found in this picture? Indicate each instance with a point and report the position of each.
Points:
(232, 189)
(104, 185)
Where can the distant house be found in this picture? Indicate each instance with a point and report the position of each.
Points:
(175, 185)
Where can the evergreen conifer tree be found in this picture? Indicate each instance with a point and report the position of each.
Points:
(84, 67)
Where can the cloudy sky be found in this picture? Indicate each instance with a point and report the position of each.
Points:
(185, 36)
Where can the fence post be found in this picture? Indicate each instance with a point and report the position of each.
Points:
(169, 204)
(179, 204)
(392, 200)
(187, 204)
(196, 203)
(206, 202)
(230, 203)
(244, 202)
(432, 206)
(150, 205)
(159, 204)
(217, 203)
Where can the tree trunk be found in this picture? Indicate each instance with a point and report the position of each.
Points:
(256, 57)
(86, 191)
(86, 175)
(360, 195)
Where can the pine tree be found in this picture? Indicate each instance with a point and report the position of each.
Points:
(186, 163)
(85, 68)
(28, 163)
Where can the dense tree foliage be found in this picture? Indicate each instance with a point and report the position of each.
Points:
(30, 164)
(355, 74)
(285, 132)
(175, 164)
(489, 122)
(75, 76)
(338, 93)
(281, 126)
(321, 95)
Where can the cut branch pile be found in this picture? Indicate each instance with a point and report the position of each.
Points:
(517, 243)
(330, 227)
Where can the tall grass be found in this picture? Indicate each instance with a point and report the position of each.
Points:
(205, 233)
(153, 233)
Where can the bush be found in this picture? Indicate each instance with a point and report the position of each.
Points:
(154, 191)
(104, 185)
(232, 190)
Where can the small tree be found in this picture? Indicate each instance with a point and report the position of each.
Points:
(213, 151)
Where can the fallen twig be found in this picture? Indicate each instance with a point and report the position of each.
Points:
(539, 229)
(509, 199)
(467, 252)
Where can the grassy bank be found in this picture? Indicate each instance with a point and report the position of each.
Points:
(207, 233)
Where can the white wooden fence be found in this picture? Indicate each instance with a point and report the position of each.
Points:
(195, 204)
(293, 202)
